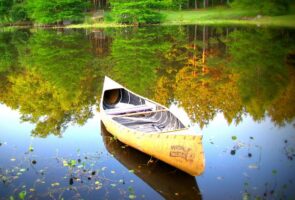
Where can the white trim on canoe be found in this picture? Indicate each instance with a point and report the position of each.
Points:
(110, 84)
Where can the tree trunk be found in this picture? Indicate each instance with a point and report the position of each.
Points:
(195, 47)
(204, 45)
(196, 4)
(206, 2)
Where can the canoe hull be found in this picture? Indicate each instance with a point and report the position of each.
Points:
(180, 148)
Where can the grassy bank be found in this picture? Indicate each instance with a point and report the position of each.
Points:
(212, 16)
(226, 16)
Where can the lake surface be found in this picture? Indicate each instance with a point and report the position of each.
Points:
(236, 85)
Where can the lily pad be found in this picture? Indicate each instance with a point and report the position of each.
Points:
(121, 181)
(55, 184)
(274, 172)
(233, 137)
(71, 181)
(72, 163)
(22, 195)
(22, 170)
(31, 149)
(233, 152)
(252, 166)
(65, 163)
(131, 196)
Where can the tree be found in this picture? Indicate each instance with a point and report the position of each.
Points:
(18, 12)
(54, 81)
(180, 4)
(5, 6)
(260, 65)
(56, 11)
(137, 12)
(142, 49)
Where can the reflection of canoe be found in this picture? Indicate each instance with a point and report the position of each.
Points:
(166, 180)
(150, 128)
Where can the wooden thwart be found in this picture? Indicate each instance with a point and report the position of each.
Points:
(138, 108)
(136, 119)
(140, 113)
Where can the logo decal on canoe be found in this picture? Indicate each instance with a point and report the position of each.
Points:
(181, 152)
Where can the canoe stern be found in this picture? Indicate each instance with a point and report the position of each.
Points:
(180, 149)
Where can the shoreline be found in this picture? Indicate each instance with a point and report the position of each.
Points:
(217, 17)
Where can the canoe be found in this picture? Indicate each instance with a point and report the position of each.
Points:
(161, 177)
(151, 128)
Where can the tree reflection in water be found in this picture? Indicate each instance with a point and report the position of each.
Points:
(54, 77)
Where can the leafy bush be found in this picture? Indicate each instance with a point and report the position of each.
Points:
(5, 5)
(52, 11)
(136, 12)
(18, 12)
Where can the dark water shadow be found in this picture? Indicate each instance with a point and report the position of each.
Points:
(168, 181)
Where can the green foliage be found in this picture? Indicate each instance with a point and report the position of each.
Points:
(56, 11)
(140, 58)
(260, 65)
(18, 12)
(179, 4)
(53, 79)
(266, 7)
(49, 52)
(9, 44)
(56, 72)
(12, 11)
(5, 6)
(137, 12)
(7, 52)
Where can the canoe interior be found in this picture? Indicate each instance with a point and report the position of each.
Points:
(139, 113)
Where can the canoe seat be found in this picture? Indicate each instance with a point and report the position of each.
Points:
(134, 108)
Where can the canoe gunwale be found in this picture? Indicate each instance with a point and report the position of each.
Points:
(180, 147)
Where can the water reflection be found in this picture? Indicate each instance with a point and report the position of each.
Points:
(169, 182)
(236, 84)
(54, 77)
(52, 85)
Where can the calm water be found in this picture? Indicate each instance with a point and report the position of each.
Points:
(235, 85)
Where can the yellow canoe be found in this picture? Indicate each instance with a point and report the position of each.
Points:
(162, 178)
(151, 128)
